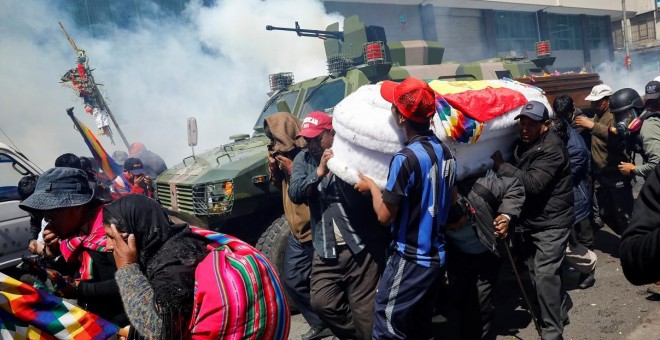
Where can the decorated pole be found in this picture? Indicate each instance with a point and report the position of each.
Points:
(97, 94)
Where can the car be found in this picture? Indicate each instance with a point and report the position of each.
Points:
(14, 222)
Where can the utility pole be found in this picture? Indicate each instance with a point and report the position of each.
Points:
(95, 88)
(626, 44)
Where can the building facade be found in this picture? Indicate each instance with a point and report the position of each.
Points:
(643, 35)
(580, 32)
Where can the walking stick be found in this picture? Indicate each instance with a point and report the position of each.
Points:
(522, 288)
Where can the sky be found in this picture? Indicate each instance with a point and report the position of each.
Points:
(210, 62)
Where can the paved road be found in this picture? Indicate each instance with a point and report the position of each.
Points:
(611, 309)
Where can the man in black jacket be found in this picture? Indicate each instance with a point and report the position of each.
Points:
(473, 253)
(640, 243)
(541, 163)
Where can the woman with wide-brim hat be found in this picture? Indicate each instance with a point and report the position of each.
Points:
(75, 232)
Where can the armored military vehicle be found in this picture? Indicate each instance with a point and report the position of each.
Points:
(227, 188)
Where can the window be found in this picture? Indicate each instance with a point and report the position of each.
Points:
(642, 28)
(271, 107)
(564, 31)
(325, 98)
(617, 34)
(598, 32)
(516, 31)
(10, 173)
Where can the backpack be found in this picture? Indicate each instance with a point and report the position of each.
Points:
(237, 293)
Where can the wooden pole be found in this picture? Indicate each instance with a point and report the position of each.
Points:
(96, 89)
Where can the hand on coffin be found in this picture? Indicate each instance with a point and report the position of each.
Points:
(365, 184)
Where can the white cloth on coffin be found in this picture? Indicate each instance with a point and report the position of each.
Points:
(367, 136)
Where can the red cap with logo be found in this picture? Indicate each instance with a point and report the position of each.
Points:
(414, 98)
(315, 123)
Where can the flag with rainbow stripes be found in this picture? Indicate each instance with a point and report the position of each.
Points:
(30, 313)
(106, 163)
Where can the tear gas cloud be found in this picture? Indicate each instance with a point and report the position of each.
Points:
(211, 62)
(617, 77)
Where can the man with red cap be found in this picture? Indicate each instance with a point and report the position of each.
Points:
(416, 203)
(349, 244)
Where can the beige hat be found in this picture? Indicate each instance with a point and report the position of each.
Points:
(598, 92)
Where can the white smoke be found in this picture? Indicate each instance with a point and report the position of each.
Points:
(617, 77)
(211, 62)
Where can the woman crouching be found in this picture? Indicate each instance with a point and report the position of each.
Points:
(178, 281)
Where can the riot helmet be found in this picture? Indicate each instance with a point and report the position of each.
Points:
(626, 104)
(625, 99)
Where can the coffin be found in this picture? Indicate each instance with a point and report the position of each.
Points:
(474, 119)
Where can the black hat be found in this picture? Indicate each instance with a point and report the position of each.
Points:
(652, 90)
(534, 110)
(59, 188)
(134, 166)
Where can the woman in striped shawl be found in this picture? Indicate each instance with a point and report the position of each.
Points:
(180, 282)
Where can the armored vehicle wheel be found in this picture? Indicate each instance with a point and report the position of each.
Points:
(272, 244)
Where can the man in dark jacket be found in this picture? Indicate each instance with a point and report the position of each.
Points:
(613, 189)
(473, 254)
(281, 129)
(349, 243)
(581, 239)
(640, 243)
(581, 171)
(541, 163)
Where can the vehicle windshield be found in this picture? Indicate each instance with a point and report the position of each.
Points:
(289, 98)
(324, 98)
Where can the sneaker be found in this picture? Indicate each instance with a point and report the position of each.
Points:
(587, 280)
(654, 289)
(316, 332)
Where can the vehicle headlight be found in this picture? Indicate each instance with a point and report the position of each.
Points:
(219, 196)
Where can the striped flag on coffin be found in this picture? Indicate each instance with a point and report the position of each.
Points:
(30, 313)
(458, 126)
(464, 106)
(107, 164)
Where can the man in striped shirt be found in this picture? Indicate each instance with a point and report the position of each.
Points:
(415, 202)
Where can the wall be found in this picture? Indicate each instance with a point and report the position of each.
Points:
(387, 16)
(569, 60)
(461, 31)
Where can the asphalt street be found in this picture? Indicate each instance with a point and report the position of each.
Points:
(611, 309)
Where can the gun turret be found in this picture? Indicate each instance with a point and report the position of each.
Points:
(303, 32)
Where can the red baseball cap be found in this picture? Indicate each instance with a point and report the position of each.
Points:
(413, 97)
(315, 123)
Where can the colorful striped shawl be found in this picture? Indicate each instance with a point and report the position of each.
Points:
(92, 241)
(237, 293)
(30, 313)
